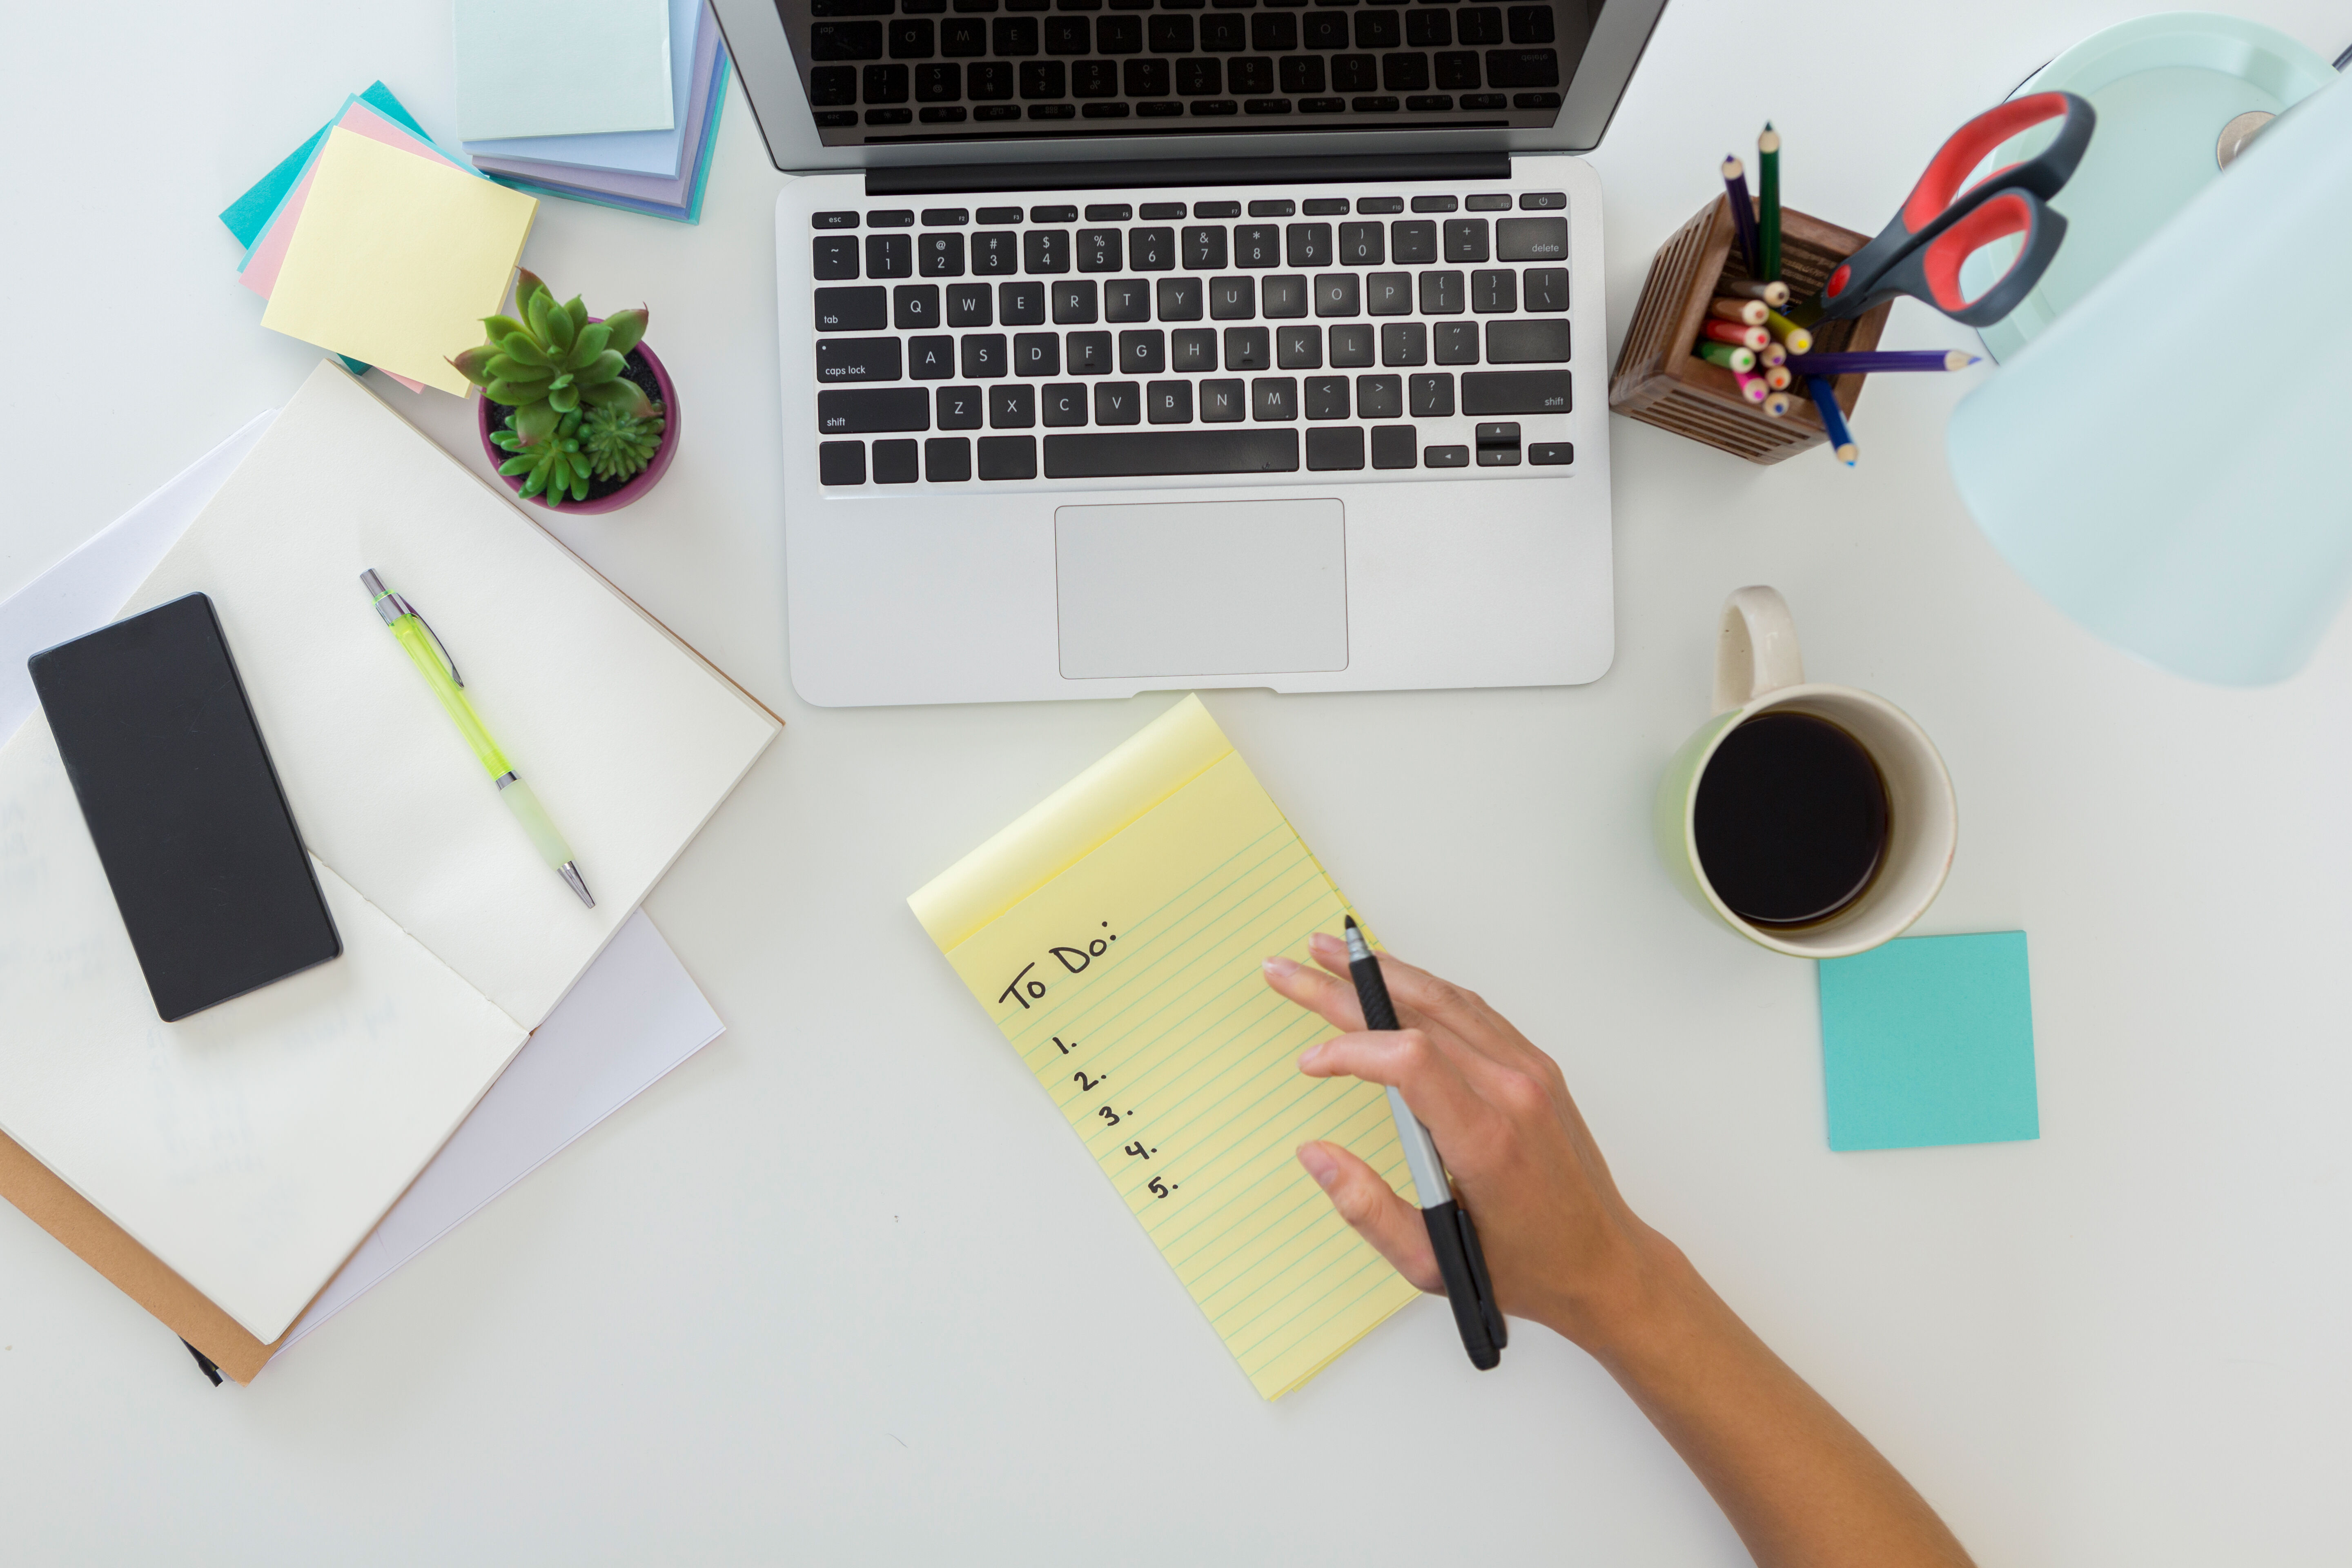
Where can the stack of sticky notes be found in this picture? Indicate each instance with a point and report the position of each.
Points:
(605, 126)
(370, 241)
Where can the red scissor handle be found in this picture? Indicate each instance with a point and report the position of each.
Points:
(1932, 271)
(1940, 199)
(1974, 142)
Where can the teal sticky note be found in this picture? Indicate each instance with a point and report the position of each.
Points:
(1929, 1040)
(249, 215)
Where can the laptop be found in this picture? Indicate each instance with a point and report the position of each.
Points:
(1131, 344)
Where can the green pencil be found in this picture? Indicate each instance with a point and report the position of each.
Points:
(1767, 159)
(1730, 356)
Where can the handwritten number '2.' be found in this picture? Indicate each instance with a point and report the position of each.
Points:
(1083, 1081)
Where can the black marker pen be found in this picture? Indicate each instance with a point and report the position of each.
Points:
(1451, 1234)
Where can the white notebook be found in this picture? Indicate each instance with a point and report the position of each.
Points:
(630, 741)
(252, 1147)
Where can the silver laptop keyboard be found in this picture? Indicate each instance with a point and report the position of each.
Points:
(1064, 340)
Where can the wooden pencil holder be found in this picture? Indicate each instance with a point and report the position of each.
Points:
(1658, 379)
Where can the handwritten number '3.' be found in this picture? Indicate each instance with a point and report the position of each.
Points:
(1109, 1115)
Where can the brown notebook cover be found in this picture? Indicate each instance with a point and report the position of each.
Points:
(108, 1247)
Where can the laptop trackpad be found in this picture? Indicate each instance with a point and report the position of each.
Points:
(1186, 589)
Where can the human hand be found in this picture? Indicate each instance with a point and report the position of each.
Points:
(1561, 1245)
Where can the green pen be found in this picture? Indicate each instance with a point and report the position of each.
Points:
(432, 659)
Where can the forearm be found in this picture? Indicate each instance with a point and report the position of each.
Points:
(1802, 1488)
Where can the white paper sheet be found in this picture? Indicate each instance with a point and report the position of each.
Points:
(630, 742)
(82, 591)
(633, 1017)
(636, 1014)
(247, 1146)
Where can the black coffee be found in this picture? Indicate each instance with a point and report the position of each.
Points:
(1791, 820)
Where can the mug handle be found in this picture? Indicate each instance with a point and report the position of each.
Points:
(1756, 651)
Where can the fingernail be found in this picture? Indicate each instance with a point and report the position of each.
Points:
(1325, 939)
(1307, 1060)
(1281, 968)
(1320, 1164)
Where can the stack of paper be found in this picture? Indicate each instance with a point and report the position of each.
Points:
(371, 242)
(635, 1014)
(250, 1148)
(659, 172)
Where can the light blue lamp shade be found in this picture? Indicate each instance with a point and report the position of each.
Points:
(2170, 462)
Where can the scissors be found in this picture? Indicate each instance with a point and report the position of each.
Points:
(1941, 223)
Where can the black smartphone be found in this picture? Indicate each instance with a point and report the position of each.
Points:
(184, 807)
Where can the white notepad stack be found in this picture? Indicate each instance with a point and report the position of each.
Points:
(252, 1147)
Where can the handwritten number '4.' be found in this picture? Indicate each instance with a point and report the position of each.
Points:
(1138, 1151)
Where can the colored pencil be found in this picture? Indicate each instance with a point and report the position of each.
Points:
(1767, 187)
(1775, 294)
(1779, 404)
(1842, 363)
(1833, 419)
(1749, 312)
(1772, 353)
(1733, 332)
(1798, 340)
(1751, 386)
(1777, 378)
(1730, 356)
(1743, 213)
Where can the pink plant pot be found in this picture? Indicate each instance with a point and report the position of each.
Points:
(637, 488)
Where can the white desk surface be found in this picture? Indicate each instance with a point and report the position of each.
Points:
(845, 1290)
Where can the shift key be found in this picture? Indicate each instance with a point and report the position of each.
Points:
(864, 359)
(1483, 392)
(883, 409)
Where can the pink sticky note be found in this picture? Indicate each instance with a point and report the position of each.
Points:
(269, 254)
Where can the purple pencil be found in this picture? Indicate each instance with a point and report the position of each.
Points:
(1743, 213)
(1852, 361)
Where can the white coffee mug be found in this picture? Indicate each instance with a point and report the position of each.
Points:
(1758, 670)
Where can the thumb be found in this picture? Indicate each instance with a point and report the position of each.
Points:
(1392, 1225)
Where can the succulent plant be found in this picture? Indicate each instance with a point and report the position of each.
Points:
(618, 444)
(548, 361)
(552, 467)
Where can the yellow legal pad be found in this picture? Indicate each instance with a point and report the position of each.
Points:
(397, 258)
(1115, 933)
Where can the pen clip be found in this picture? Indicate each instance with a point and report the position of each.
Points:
(408, 609)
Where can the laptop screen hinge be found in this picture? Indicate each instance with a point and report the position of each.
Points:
(1128, 173)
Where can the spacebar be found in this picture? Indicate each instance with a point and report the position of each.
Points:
(1108, 456)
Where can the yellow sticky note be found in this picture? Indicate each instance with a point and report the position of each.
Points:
(397, 260)
(1116, 934)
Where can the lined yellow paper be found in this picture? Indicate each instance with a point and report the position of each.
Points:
(1115, 933)
(397, 258)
